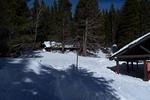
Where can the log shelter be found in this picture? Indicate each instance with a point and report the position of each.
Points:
(137, 50)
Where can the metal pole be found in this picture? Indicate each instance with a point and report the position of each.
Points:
(77, 60)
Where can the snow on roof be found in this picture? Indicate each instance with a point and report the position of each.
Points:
(47, 44)
(114, 45)
(51, 44)
(131, 43)
(55, 44)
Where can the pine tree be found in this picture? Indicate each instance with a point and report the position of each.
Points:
(107, 29)
(19, 14)
(113, 17)
(36, 16)
(110, 25)
(44, 23)
(64, 16)
(53, 21)
(129, 27)
(3, 27)
(145, 16)
(15, 23)
(88, 23)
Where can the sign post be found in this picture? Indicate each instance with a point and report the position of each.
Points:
(77, 60)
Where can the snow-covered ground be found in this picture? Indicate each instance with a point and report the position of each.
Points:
(70, 83)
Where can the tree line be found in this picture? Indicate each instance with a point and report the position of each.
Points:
(24, 27)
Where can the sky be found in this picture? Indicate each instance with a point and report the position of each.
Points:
(104, 4)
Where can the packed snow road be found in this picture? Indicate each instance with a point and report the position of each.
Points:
(52, 76)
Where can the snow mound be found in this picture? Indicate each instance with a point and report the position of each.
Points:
(33, 66)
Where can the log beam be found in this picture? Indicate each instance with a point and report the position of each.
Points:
(145, 49)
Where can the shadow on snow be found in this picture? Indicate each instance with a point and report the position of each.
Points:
(134, 72)
(51, 84)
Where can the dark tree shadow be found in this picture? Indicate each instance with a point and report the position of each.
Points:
(31, 54)
(135, 72)
(51, 84)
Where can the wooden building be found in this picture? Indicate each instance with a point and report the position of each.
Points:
(138, 50)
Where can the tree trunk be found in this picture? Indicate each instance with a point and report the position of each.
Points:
(38, 13)
(85, 39)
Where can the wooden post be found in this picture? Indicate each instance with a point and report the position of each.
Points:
(132, 65)
(137, 65)
(117, 67)
(127, 66)
(145, 71)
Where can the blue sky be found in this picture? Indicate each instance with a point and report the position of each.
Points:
(104, 4)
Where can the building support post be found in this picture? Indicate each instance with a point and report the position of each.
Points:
(145, 71)
(137, 65)
(127, 66)
(132, 65)
(117, 67)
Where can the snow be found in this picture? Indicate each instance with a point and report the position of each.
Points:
(28, 80)
(47, 44)
(34, 92)
(52, 44)
(33, 66)
(68, 46)
(127, 87)
(100, 54)
(55, 44)
(114, 45)
(123, 87)
(131, 43)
